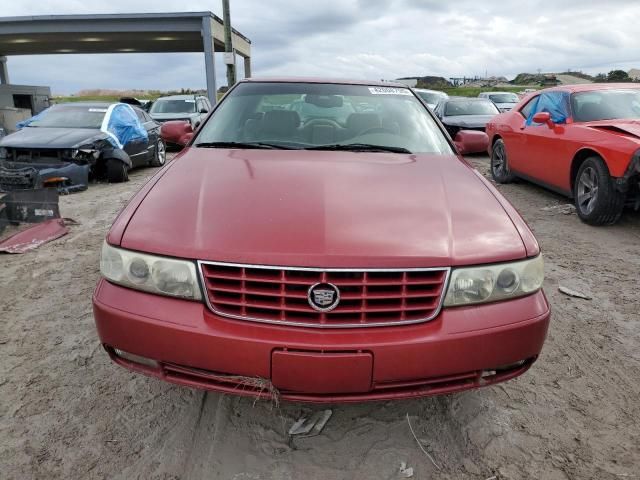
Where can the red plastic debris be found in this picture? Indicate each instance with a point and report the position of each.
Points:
(33, 237)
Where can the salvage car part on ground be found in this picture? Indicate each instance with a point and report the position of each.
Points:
(582, 141)
(326, 257)
(29, 218)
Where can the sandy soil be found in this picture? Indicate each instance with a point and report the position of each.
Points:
(67, 412)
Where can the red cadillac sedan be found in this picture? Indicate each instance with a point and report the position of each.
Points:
(322, 241)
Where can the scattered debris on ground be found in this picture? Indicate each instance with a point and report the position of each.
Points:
(29, 218)
(565, 209)
(311, 426)
(31, 237)
(405, 472)
(573, 293)
(420, 444)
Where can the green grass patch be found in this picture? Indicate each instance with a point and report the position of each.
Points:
(475, 91)
(96, 98)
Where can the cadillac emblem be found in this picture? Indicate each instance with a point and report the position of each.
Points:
(323, 297)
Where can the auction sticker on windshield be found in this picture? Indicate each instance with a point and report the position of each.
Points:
(389, 91)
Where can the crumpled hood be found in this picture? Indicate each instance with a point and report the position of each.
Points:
(631, 127)
(43, 137)
(469, 121)
(313, 208)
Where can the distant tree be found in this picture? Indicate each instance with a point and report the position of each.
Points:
(618, 76)
(601, 77)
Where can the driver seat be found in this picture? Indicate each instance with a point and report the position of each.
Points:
(357, 123)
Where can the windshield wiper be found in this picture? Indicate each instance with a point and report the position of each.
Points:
(257, 145)
(360, 147)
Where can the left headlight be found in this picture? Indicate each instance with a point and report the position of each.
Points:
(494, 282)
(4, 153)
(159, 275)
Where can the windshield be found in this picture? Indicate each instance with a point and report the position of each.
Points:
(430, 97)
(606, 105)
(314, 115)
(174, 106)
(470, 107)
(503, 98)
(70, 117)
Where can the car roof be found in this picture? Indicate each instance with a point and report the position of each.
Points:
(336, 81)
(429, 91)
(180, 97)
(461, 99)
(589, 87)
(491, 93)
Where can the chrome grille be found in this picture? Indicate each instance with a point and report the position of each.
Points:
(368, 297)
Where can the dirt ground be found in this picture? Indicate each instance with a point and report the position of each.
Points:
(67, 412)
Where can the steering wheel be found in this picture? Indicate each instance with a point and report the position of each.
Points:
(377, 130)
(321, 121)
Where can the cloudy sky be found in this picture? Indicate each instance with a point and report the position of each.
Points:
(372, 39)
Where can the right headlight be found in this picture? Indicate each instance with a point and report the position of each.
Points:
(491, 283)
(150, 273)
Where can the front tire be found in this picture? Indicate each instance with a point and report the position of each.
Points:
(499, 163)
(159, 155)
(117, 171)
(597, 200)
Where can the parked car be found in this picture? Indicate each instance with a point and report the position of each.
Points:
(66, 144)
(322, 260)
(459, 113)
(431, 97)
(188, 108)
(582, 141)
(505, 101)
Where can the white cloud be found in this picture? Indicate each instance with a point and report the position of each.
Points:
(361, 39)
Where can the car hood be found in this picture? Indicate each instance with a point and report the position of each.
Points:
(631, 127)
(331, 209)
(165, 117)
(41, 137)
(467, 120)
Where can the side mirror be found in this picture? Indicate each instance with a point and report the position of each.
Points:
(204, 110)
(543, 117)
(471, 141)
(177, 132)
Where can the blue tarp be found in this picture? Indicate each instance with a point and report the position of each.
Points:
(25, 123)
(556, 103)
(125, 125)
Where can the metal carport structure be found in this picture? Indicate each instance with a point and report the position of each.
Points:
(121, 33)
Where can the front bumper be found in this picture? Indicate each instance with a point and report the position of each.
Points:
(463, 348)
(69, 177)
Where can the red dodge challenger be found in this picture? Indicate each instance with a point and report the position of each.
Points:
(582, 141)
(322, 241)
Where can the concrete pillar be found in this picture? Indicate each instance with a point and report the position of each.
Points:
(4, 71)
(247, 67)
(209, 59)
